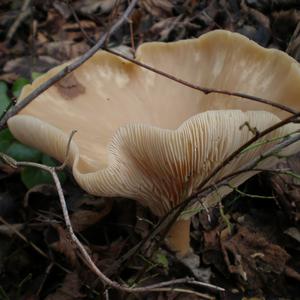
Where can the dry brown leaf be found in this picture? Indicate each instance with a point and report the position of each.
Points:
(70, 289)
(89, 7)
(72, 31)
(64, 245)
(256, 260)
(24, 65)
(63, 8)
(64, 50)
(45, 189)
(83, 219)
(157, 8)
(284, 23)
(294, 233)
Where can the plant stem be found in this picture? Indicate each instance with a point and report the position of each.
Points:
(178, 237)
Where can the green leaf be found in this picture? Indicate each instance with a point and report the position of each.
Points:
(48, 161)
(6, 139)
(34, 176)
(18, 85)
(4, 99)
(21, 152)
(162, 260)
(35, 75)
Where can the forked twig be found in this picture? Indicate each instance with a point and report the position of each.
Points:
(167, 285)
(174, 213)
(168, 220)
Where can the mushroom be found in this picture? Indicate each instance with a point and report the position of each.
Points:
(148, 138)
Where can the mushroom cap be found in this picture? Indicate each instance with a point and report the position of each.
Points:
(145, 137)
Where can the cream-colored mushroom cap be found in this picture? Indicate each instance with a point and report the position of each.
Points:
(145, 137)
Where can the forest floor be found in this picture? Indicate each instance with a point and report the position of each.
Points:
(37, 259)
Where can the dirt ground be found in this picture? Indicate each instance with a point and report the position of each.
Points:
(250, 246)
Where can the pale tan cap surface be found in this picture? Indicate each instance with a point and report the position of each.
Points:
(127, 143)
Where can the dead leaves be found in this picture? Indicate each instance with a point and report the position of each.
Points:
(64, 244)
(254, 259)
(89, 7)
(157, 8)
(83, 219)
(248, 259)
(69, 290)
(286, 187)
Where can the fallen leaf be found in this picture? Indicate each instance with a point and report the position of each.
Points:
(83, 219)
(294, 233)
(255, 260)
(70, 289)
(23, 66)
(89, 7)
(64, 245)
(157, 8)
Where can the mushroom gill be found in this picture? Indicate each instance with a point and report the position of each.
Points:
(148, 138)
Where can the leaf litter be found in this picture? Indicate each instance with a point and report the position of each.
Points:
(258, 256)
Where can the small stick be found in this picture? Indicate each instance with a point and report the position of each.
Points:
(166, 222)
(183, 82)
(68, 69)
(87, 259)
(25, 11)
(63, 165)
(21, 236)
(204, 90)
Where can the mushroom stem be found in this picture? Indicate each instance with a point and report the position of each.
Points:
(178, 237)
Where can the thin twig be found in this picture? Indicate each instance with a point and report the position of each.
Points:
(87, 259)
(47, 272)
(250, 167)
(25, 11)
(166, 222)
(204, 90)
(52, 170)
(21, 236)
(258, 135)
(68, 69)
(65, 162)
(183, 82)
(90, 262)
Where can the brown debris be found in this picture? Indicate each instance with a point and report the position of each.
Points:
(261, 259)
(157, 8)
(70, 289)
(255, 260)
(82, 219)
(64, 244)
(286, 187)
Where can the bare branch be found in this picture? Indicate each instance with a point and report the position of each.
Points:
(181, 81)
(166, 222)
(25, 11)
(68, 69)
(63, 165)
(87, 259)
(204, 89)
